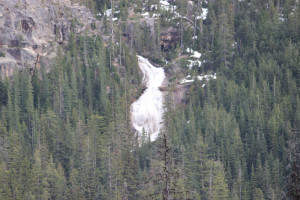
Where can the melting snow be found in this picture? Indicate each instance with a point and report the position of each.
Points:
(155, 15)
(165, 5)
(146, 14)
(194, 63)
(203, 14)
(186, 81)
(207, 77)
(154, 7)
(146, 112)
(107, 13)
(196, 55)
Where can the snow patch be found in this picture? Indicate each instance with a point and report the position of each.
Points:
(155, 15)
(165, 5)
(153, 7)
(146, 14)
(207, 77)
(194, 63)
(195, 55)
(203, 14)
(107, 13)
(186, 81)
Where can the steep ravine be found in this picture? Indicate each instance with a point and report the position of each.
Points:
(146, 112)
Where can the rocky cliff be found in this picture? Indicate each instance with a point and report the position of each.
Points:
(31, 30)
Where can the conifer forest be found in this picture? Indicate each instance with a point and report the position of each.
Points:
(149, 100)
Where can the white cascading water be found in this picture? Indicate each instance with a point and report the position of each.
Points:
(146, 112)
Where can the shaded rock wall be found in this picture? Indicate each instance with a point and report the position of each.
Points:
(32, 29)
(170, 39)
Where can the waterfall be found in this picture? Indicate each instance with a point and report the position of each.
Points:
(146, 112)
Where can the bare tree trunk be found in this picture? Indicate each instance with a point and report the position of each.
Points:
(166, 192)
(240, 179)
(109, 171)
(274, 88)
(195, 23)
(85, 51)
(112, 25)
(60, 98)
(210, 183)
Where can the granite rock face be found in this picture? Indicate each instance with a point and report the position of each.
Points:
(31, 30)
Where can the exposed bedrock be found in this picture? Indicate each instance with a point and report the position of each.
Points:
(31, 30)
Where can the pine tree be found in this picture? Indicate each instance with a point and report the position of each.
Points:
(219, 188)
(293, 179)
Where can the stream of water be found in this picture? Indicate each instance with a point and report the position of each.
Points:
(146, 112)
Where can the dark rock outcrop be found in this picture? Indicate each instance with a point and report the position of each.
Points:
(169, 39)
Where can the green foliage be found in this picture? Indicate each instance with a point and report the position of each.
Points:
(66, 133)
(2, 54)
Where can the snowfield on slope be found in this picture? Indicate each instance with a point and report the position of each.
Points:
(146, 112)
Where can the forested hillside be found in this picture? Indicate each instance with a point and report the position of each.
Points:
(234, 133)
